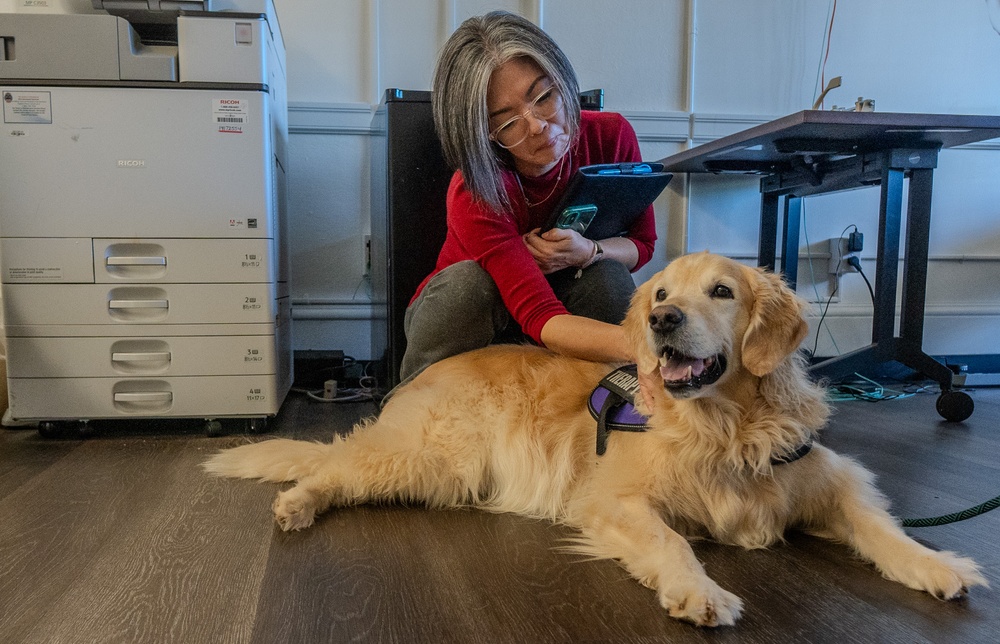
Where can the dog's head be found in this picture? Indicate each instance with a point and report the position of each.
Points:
(705, 318)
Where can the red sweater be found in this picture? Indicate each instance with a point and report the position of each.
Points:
(495, 240)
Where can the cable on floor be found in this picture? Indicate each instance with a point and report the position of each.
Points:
(968, 513)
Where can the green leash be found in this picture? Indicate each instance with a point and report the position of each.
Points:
(929, 522)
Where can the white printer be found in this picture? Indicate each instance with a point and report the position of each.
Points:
(142, 200)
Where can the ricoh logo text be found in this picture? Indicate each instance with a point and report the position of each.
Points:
(131, 163)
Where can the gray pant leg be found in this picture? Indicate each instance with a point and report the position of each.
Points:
(602, 292)
(458, 310)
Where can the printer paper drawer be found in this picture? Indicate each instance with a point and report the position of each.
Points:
(91, 398)
(40, 357)
(190, 261)
(27, 304)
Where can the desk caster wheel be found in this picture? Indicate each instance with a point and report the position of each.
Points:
(955, 406)
(256, 425)
(213, 427)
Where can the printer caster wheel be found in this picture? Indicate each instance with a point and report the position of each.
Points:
(256, 425)
(65, 429)
(49, 429)
(955, 406)
(213, 427)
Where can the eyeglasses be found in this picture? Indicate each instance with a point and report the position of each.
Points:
(516, 129)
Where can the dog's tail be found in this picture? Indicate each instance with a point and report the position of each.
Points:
(277, 460)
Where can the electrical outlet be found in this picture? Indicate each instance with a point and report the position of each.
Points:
(368, 254)
(840, 251)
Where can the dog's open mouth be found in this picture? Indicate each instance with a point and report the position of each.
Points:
(680, 371)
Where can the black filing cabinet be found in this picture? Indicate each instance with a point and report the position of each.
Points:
(409, 187)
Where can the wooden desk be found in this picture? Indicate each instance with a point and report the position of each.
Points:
(814, 152)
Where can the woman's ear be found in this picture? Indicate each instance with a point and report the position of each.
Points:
(776, 327)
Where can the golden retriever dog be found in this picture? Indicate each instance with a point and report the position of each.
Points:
(507, 429)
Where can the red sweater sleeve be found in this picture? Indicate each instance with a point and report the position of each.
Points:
(494, 241)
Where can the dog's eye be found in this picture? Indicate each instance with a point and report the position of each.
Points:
(722, 291)
(661, 294)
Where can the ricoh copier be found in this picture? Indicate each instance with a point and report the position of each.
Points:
(142, 200)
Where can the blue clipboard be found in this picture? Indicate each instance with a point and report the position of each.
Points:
(604, 200)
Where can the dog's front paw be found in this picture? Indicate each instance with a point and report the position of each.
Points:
(292, 512)
(701, 602)
(942, 574)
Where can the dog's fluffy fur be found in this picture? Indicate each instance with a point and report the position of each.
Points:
(507, 429)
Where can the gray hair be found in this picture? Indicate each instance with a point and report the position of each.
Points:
(478, 47)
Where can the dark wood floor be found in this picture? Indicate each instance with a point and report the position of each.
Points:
(119, 537)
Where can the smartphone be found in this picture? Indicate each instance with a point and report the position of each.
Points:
(577, 218)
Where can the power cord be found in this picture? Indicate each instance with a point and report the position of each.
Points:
(867, 390)
(829, 300)
(819, 325)
(855, 262)
(333, 393)
(358, 394)
(812, 277)
(821, 72)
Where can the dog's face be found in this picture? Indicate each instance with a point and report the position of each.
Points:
(705, 318)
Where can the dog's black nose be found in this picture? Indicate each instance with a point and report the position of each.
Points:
(664, 319)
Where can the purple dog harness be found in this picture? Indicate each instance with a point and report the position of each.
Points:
(612, 406)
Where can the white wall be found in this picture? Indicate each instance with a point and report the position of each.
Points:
(683, 72)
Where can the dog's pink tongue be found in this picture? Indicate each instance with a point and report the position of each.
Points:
(676, 370)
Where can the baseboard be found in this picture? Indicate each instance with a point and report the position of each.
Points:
(985, 363)
(978, 380)
(970, 370)
(974, 371)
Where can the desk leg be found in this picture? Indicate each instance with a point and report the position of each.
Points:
(918, 218)
(911, 319)
(768, 238)
(790, 240)
(887, 261)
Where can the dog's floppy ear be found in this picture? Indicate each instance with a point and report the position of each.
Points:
(776, 324)
(636, 325)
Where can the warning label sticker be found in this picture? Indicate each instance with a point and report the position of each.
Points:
(31, 273)
(230, 114)
(27, 107)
